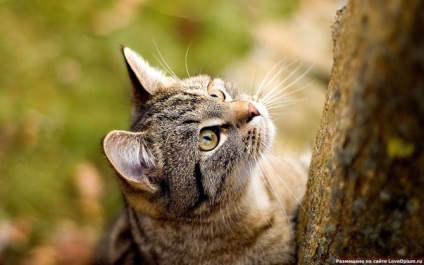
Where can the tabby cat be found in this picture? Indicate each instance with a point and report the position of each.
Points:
(198, 180)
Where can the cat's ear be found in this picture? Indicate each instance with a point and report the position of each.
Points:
(144, 77)
(131, 159)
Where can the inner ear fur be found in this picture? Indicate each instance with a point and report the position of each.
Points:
(131, 158)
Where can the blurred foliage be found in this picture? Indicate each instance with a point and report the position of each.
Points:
(63, 86)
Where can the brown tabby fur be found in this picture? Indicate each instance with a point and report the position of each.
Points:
(234, 204)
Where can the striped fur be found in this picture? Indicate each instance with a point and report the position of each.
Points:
(233, 204)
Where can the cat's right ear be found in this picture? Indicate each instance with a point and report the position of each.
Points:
(144, 78)
(131, 159)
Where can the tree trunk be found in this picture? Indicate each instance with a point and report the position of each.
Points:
(365, 194)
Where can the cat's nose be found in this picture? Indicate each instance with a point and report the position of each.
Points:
(243, 111)
(252, 111)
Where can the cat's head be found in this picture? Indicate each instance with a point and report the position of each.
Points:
(192, 146)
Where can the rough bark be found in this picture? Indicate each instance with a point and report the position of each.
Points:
(365, 195)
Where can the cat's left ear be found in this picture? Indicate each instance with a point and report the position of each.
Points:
(130, 157)
(144, 77)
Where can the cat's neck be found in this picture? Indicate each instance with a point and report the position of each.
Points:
(274, 186)
(248, 226)
(251, 210)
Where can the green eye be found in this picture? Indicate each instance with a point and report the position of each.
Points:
(208, 140)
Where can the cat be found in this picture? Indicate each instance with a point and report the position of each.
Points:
(199, 183)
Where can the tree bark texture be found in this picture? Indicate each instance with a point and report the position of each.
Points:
(365, 194)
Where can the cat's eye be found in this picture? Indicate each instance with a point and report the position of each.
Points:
(216, 93)
(208, 139)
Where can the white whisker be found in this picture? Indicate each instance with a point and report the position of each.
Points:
(165, 64)
(185, 60)
(254, 82)
(266, 77)
(269, 185)
(285, 97)
(281, 179)
(257, 198)
(164, 68)
(278, 86)
(271, 97)
(275, 76)
(281, 100)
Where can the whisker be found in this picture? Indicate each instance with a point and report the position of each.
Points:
(257, 198)
(278, 86)
(254, 81)
(269, 185)
(165, 64)
(164, 67)
(185, 60)
(261, 85)
(281, 179)
(270, 96)
(275, 76)
(281, 98)
(281, 106)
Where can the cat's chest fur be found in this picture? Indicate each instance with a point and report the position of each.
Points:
(198, 183)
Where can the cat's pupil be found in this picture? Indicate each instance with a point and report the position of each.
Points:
(214, 95)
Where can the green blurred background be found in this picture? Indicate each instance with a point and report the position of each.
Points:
(63, 86)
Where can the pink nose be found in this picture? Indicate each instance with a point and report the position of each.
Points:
(252, 112)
